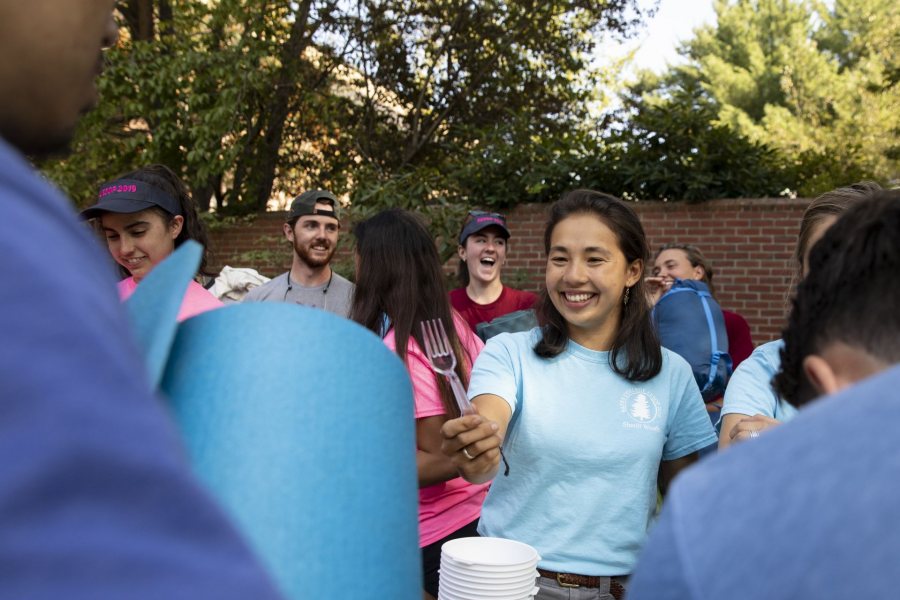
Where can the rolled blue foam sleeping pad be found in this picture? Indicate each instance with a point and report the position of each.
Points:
(301, 424)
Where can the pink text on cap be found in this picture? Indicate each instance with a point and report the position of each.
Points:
(112, 189)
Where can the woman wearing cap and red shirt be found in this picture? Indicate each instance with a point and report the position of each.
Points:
(482, 255)
(144, 216)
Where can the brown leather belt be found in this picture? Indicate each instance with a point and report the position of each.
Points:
(573, 580)
(616, 589)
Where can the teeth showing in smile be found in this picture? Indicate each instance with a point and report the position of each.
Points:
(133, 261)
(488, 261)
(577, 297)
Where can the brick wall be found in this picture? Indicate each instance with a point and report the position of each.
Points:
(748, 242)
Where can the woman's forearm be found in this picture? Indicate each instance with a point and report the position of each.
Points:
(434, 468)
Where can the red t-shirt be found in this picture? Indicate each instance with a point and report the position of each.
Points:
(510, 300)
(740, 344)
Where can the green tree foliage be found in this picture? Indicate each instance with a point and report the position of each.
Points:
(673, 148)
(227, 95)
(494, 98)
(815, 82)
(395, 102)
(439, 105)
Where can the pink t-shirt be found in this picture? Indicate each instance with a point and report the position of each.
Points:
(447, 506)
(196, 300)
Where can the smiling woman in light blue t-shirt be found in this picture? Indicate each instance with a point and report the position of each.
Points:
(595, 415)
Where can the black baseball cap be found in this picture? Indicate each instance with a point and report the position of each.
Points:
(130, 196)
(479, 220)
(305, 204)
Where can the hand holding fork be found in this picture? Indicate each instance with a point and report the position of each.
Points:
(440, 355)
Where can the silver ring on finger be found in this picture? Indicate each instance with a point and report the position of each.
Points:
(754, 433)
(466, 452)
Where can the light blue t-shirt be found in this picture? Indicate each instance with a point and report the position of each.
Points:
(811, 510)
(750, 392)
(584, 448)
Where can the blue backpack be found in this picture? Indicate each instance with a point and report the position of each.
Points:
(689, 322)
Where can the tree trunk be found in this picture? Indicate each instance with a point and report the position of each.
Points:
(203, 191)
(277, 110)
(138, 16)
(166, 21)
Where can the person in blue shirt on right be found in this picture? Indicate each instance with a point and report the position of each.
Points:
(593, 414)
(751, 405)
(811, 506)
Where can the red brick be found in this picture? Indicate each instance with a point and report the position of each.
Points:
(749, 242)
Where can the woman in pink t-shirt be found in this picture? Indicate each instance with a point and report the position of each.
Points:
(399, 284)
(144, 216)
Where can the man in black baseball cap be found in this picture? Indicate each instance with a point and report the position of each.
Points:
(312, 228)
(311, 203)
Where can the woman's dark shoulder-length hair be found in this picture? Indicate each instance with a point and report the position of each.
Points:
(635, 353)
(400, 277)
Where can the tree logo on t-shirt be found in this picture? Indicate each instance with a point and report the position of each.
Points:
(640, 406)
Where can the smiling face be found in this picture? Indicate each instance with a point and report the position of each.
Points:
(674, 264)
(484, 254)
(587, 274)
(314, 237)
(140, 241)
(53, 53)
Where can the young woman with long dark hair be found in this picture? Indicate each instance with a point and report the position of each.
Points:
(595, 414)
(400, 284)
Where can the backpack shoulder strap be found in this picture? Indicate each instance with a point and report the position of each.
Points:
(713, 338)
(704, 295)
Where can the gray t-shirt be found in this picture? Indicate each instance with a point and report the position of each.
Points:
(334, 296)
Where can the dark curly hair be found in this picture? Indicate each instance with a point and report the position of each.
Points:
(850, 294)
(635, 352)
